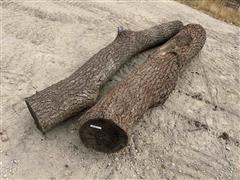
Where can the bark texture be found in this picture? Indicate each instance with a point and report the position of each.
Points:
(106, 126)
(80, 91)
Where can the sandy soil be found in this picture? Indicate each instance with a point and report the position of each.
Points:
(195, 135)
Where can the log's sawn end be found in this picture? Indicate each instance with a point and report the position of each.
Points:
(32, 112)
(103, 135)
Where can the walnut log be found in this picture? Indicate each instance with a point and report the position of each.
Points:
(105, 127)
(79, 91)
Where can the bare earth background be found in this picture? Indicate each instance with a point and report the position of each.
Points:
(45, 41)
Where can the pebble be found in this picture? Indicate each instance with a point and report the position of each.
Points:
(227, 148)
(11, 171)
(118, 167)
(4, 137)
(67, 173)
(109, 164)
(14, 161)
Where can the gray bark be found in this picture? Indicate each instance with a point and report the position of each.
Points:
(72, 95)
(106, 126)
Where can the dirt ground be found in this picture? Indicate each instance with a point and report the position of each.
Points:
(195, 135)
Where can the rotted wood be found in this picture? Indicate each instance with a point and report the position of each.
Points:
(106, 126)
(79, 91)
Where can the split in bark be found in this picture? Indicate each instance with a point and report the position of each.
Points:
(80, 90)
(106, 126)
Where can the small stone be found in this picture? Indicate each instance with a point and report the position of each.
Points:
(116, 159)
(179, 170)
(120, 28)
(118, 167)
(4, 176)
(224, 136)
(4, 137)
(108, 164)
(67, 173)
(14, 161)
(11, 172)
(227, 148)
(197, 123)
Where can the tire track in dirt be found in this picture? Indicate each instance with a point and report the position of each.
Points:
(44, 15)
(115, 18)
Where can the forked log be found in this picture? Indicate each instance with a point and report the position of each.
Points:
(80, 90)
(106, 126)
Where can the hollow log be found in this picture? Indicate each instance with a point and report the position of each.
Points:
(80, 90)
(106, 126)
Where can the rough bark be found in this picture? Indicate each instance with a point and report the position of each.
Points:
(80, 91)
(106, 126)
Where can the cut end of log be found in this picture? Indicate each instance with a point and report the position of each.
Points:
(103, 135)
(34, 116)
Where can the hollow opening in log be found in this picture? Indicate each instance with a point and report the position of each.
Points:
(103, 135)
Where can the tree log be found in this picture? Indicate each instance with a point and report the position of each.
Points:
(105, 127)
(80, 90)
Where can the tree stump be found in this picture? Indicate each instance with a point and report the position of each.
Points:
(106, 126)
(80, 90)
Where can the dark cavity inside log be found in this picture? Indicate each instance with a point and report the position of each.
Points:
(106, 126)
(106, 132)
(80, 91)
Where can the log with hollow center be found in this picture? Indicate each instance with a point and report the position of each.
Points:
(80, 91)
(106, 126)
